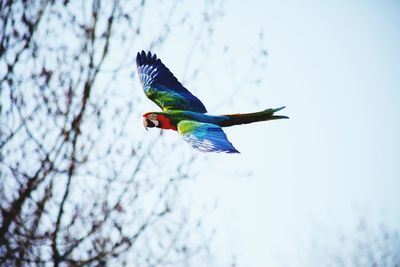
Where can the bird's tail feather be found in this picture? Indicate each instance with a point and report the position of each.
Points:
(265, 115)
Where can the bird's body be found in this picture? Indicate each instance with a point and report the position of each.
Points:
(185, 113)
(169, 120)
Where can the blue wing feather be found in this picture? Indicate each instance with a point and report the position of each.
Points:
(162, 87)
(206, 137)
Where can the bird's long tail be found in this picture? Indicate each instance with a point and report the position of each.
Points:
(265, 115)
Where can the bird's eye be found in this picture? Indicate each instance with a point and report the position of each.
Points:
(152, 116)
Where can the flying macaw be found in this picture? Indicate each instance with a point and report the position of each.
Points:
(183, 112)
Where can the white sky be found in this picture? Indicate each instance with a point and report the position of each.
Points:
(336, 66)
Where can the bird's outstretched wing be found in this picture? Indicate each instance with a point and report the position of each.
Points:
(161, 86)
(205, 137)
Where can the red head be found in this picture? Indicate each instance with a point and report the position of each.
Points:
(152, 119)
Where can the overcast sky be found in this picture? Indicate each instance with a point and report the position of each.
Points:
(336, 66)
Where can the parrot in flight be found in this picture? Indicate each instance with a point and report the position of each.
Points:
(183, 112)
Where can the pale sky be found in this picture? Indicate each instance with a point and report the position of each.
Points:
(336, 66)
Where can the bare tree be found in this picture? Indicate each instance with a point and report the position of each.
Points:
(78, 186)
(369, 244)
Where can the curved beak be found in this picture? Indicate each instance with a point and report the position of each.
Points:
(149, 123)
(145, 123)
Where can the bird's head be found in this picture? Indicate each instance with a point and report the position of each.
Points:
(150, 120)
